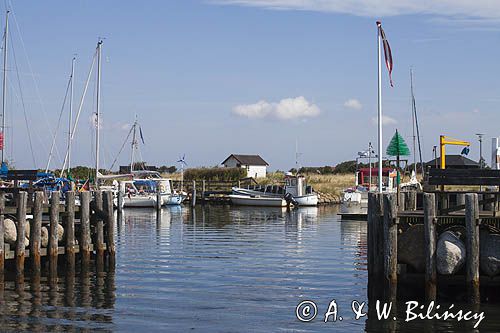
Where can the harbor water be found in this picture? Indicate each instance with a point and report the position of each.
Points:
(217, 269)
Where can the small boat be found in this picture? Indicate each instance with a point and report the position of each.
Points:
(295, 186)
(266, 201)
(137, 197)
(163, 185)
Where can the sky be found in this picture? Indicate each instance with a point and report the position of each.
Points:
(207, 78)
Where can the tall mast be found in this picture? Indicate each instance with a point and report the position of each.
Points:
(413, 124)
(133, 145)
(4, 95)
(98, 99)
(379, 57)
(70, 121)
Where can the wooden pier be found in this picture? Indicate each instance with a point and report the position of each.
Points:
(71, 237)
(426, 216)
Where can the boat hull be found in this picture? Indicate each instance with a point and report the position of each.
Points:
(139, 201)
(243, 200)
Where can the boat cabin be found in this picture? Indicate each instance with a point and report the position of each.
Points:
(363, 177)
(296, 185)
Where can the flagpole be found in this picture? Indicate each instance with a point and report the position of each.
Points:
(379, 57)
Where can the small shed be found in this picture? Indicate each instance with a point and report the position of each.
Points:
(454, 162)
(254, 164)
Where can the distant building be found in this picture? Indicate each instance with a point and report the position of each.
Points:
(454, 162)
(254, 164)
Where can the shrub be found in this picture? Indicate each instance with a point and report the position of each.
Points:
(215, 174)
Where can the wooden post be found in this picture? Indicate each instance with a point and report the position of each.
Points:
(411, 200)
(402, 201)
(488, 206)
(158, 201)
(2, 232)
(69, 230)
(390, 245)
(203, 189)
(53, 241)
(36, 233)
(119, 201)
(430, 250)
(85, 228)
(193, 194)
(22, 200)
(110, 226)
(460, 199)
(99, 239)
(375, 243)
(472, 246)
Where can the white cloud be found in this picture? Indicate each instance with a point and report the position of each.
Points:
(257, 110)
(476, 111)
(460, 9)
(288, 108)
(386, 120)
(353, 104)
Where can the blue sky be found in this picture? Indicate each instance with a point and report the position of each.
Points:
(210, 78)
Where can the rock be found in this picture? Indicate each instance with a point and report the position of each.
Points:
(27, 229)
(44, 237)
(411, 245)
(450, 253)
(489, 255)
(60, 233)
(10, 233)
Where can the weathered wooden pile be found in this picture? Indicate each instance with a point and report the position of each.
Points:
(439, 245)
(76, 233)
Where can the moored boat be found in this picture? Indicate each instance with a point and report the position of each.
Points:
(266, 201)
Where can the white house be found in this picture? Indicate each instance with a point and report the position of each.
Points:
(254, 164)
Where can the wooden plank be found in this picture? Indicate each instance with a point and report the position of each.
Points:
(472, 246)
(430, 250)
(36, 234)
(390, 246)
(22, 200)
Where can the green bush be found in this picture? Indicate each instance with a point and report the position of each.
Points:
(215, 174)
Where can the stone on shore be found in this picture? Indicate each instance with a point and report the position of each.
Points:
(450, 253)
(10, 232)
(27, 229)
(489, 255)
(44, 237)
(411, 245)
(60, 233)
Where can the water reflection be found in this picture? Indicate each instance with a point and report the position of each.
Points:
(69, 302)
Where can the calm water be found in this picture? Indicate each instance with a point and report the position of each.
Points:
(216, 269)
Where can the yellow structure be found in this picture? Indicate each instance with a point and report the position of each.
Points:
(445, 140)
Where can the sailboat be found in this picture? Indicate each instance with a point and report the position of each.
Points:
(142, 189)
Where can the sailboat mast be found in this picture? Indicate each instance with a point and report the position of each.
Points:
(70, 120)
(133, 147)
(413, 124)
(4, 95)
(98, 99)
(379, 58)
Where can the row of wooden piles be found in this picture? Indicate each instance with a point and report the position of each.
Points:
(88, 234)
(383, 229)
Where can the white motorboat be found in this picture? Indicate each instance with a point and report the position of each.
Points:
(136, 197)
(295, 186)
(266, 201)
(163, 185)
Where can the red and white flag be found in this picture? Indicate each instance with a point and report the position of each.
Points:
(1, 140)
(387, 51)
